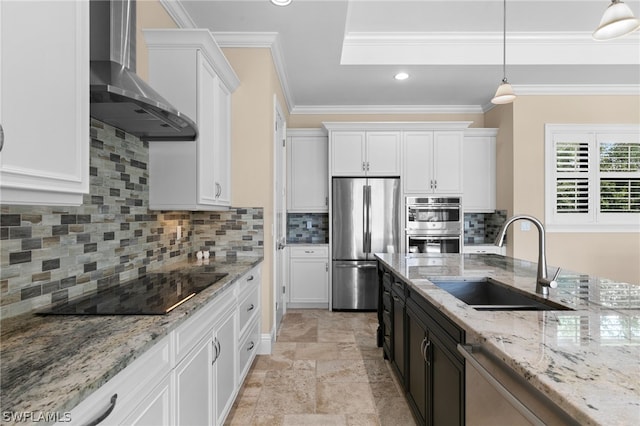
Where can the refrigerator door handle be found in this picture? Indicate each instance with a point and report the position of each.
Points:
(368, 222)
(364, 218)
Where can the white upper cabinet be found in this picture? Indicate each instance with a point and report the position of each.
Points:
(363, 152)
(188, 68)
(307, 154)
(479, 170)
(432, 162)
(44, 107)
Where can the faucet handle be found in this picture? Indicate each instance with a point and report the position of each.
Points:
(553, 283)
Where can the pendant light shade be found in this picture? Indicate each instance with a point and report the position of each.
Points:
(617, 21)
(504, 94)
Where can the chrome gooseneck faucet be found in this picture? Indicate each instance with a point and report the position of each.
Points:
(543, 283)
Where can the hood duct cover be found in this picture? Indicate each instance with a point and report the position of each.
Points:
(118, 96)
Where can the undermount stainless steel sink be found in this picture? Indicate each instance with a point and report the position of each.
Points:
(487, 294)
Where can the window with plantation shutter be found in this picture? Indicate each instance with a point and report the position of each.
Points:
(572, 181)
(592, 178)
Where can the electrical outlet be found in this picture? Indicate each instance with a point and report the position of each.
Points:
(178, 232)
(309, 225)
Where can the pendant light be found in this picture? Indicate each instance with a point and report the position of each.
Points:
(617, 21)
(504, 94)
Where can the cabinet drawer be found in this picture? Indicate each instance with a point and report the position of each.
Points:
(248, 347)
(249, 280)
(309, 251)
(121, 394)
(248, 306)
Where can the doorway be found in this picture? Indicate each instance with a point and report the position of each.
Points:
(280, 213)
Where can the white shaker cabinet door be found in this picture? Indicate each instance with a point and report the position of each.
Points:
(383, 154)
(222, 145)
(307, 172)
(225, 364)
(418, 162)
(479, 170)
(44, 107)
(447, 162)
(348, 153)
(206, 157)
(194, 386)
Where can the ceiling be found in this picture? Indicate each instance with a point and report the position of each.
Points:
(341, 55)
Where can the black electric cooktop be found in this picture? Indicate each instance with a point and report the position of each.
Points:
(150, 294)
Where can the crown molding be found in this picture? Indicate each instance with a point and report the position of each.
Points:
(177, 12)
(386, 109)
(396, 125)
(269, 40)
(577, 89)
(485, 48)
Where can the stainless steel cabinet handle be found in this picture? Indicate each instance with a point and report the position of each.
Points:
(101, 417)
(251, 346)
(250, 278)
(250, 308)
(216, 348)
(425, 353)
(1, 137)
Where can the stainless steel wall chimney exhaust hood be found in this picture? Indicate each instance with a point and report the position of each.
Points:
(118, 96)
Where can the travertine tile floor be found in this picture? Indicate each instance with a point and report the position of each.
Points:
(325, 369)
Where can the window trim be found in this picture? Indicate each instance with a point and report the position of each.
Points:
(626, 222)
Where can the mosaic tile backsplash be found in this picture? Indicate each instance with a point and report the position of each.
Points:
(482, 228)
(50, 254)
(298, 231)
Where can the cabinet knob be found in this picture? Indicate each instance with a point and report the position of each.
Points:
(250, 308)
(251, 346)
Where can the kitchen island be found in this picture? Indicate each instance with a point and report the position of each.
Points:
(50, 364)
(586, 360)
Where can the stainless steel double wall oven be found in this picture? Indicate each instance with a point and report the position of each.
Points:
(433, 224)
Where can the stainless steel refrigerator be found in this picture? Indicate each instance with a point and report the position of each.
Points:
(366, 219)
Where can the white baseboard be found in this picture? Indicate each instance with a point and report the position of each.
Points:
(266, 343)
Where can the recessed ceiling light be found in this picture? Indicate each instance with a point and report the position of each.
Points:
(281, 2)
(401, 76)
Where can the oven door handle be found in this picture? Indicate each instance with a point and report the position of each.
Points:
(434, 237)
(433, 206)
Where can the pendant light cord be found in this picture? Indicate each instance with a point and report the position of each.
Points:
(504, 41)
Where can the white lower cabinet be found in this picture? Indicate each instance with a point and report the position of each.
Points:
(309, 276)
(224, 364)
(191, 376)
(194, 386)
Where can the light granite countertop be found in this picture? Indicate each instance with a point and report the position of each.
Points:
(587, 360)
(51, 363)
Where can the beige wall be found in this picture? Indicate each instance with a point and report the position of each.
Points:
(316, 120)
(610, 255)
(149, 14)
(252, 164)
